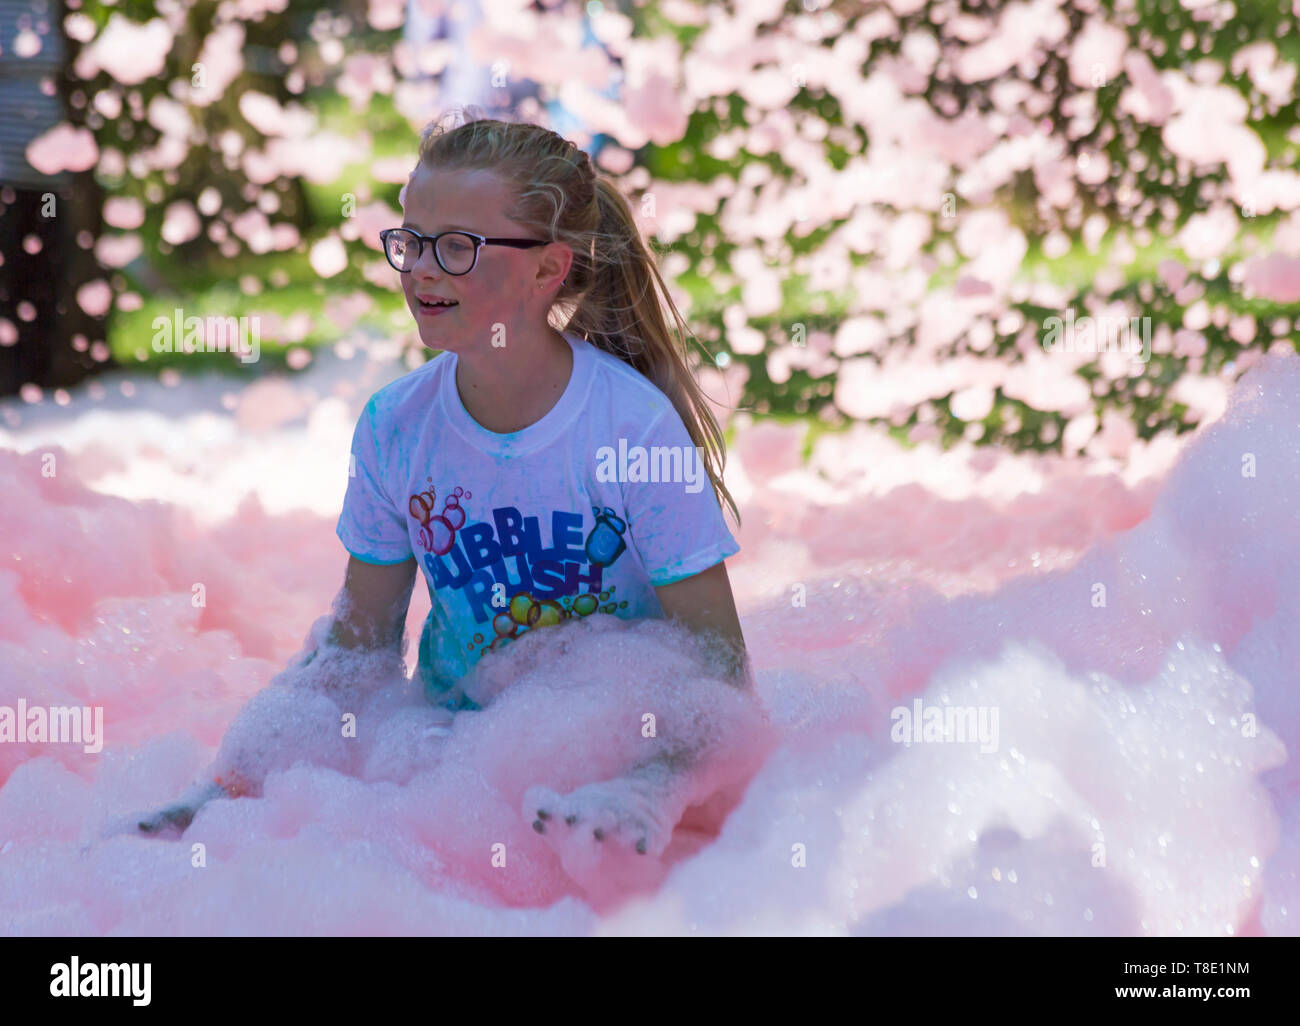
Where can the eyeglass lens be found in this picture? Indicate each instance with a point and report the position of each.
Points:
(455, 251)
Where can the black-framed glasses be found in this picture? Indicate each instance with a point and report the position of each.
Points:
(456, 252)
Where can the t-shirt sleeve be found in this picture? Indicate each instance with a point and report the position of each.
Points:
(677, 526)
(371, 526)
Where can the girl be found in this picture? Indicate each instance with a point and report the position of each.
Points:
(533, 473)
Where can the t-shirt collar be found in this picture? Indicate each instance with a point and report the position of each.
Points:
(518, 443)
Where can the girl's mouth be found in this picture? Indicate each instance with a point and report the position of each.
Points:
(435, 308)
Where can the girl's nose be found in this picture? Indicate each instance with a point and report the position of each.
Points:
(427, 265)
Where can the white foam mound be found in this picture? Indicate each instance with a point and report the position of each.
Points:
(1122, 660)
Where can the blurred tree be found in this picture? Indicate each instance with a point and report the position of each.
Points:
(48, 222)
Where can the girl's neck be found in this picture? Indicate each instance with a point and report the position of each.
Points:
(509, 388)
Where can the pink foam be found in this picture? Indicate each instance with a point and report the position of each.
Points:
(1151, 733)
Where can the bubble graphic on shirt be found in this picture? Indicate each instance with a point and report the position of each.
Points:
(452, 510)
(521, 608)
(421, 504)
(504, 625)
(605, 542)
(545, 614)
(526, 612)
(438, 531)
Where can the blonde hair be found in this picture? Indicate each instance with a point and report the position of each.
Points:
(613, 295)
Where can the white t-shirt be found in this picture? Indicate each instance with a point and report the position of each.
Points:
(584, 512)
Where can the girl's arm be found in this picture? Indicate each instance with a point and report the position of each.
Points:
(375, 602)
(704, 604)
(369, 613)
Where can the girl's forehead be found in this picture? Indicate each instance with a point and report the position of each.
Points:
(448, 185)
(439, 194)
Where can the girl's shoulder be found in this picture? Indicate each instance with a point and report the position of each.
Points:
(625, 387)
(400, 408)
(414, 388)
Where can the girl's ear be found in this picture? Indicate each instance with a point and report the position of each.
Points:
(557, 259)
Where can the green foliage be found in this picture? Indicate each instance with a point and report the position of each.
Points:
(1148, 196)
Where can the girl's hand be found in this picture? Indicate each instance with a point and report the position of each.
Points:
(174, 819)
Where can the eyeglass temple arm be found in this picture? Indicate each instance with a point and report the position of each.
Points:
(517, 243)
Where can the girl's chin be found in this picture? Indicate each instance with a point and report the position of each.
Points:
(439, 338)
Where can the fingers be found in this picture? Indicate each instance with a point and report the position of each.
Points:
(175, 819)
(601, 819)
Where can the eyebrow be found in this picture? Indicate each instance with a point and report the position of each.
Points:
(407, 224)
